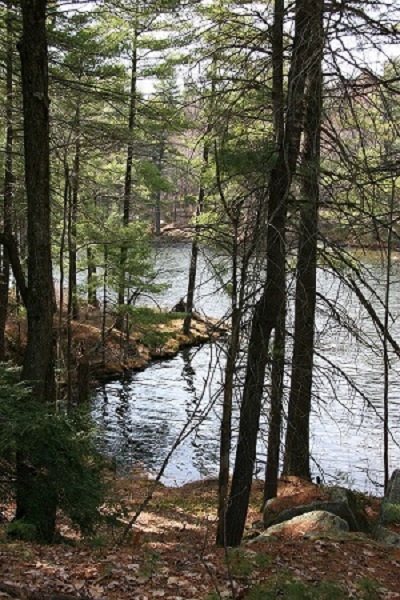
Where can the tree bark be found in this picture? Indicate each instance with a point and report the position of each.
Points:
(157, 211)
(278, 353)
(195, 243)
(91, 278)
(73, 305)
(269, 306)
(128, 175)
(297, 452)
(38, 367)
(275, 415)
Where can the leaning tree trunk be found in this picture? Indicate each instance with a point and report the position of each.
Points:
(272, 299)
(8, 180)
(297, 452)
(38, 367)
(230, 370)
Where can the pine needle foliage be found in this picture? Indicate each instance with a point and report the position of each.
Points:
(58, 448)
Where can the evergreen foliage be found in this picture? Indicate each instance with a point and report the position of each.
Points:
(59, 450)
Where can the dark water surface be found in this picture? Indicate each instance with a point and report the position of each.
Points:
(143, 416)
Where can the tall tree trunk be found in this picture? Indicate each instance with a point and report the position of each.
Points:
(232, 353)
(278, 352)
(297, 453)
(8, 181)
(128, 175)
(386, 356)
(105, 303)
(59, 354)
(38, 367)
(270, 304)
(240, 264)
(73, 305)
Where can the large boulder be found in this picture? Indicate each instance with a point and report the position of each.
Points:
(387, 537)
(313, 523)
(390, 508)
(338, 501)
(393, 491)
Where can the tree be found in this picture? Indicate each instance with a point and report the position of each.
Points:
(269, 305)
(38, 367)
(297, 454)
(278, 351)
(8, 177)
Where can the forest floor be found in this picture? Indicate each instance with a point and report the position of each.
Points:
(170, 554)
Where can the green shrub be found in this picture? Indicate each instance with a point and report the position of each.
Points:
(390, 513)
(58, 453)
(19, 530)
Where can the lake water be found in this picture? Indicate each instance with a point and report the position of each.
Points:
(143, 416)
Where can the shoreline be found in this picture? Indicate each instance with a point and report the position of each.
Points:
(111, 354)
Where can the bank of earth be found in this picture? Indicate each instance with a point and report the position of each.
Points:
(106, 352)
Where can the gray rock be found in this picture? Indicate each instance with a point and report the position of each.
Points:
(318, 521)
(340, 509)
(257, 525)
(387, 537)
(339, 494)
(390, 508)
(392, 495)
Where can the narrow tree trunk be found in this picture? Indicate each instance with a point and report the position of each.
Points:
(60, 358)
(38, 367)
(275, 416)
(8, 181)
(195, 243)
(157, 211)
(297, 453)
(226, 425)
(128, 176)
(269, 306)
(278, 352)
(239, 278)
(91, 278)
(386, 358)
(104, 313)
(73, 304)
(71, 289)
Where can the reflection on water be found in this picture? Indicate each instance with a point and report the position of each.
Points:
(143, 415)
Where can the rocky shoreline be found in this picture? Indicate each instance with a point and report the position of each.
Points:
(313, 512)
